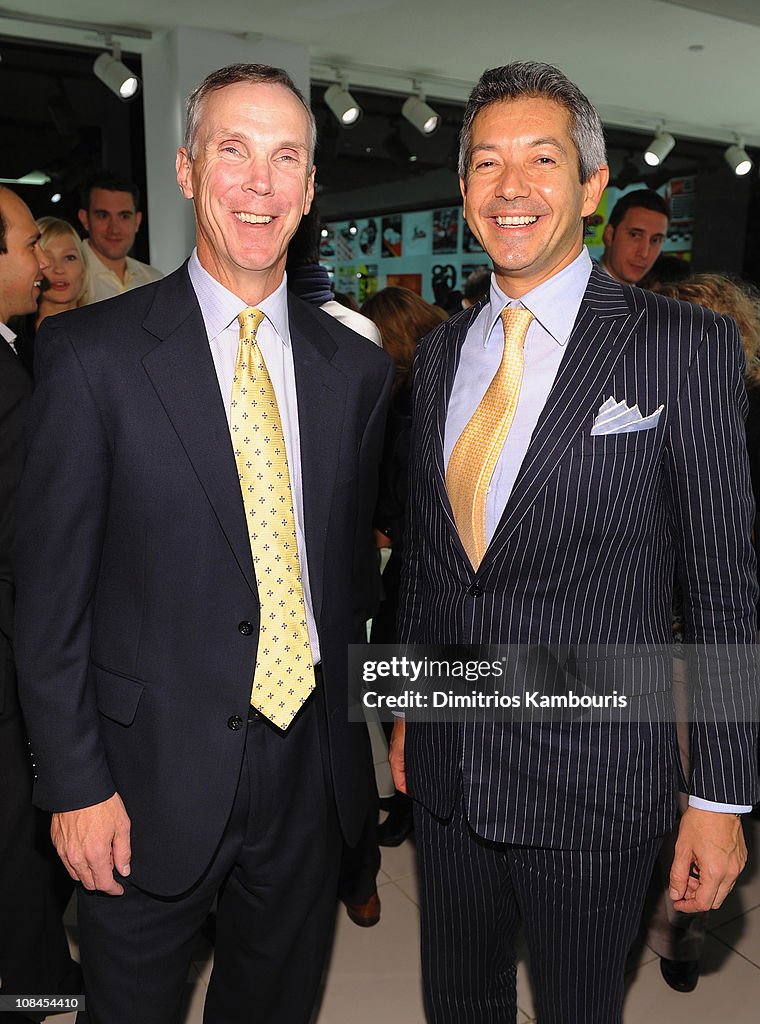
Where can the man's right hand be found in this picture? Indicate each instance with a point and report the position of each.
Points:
(396, 755)
(92, 841)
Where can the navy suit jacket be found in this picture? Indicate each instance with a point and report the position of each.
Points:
(15, 392)
(585, 554)
(137, 570)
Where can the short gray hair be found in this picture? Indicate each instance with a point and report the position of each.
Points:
(256, 74)
(531, 79)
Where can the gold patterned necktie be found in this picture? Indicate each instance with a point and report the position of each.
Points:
(477, 450)
(284, 673)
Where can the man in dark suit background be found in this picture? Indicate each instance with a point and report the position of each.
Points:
(624, 454)
(179, 587)
(34, 954)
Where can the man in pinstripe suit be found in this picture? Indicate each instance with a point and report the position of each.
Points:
(625, 458)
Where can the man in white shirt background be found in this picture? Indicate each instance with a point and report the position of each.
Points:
(111, 217)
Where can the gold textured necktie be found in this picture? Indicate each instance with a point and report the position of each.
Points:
(284, 673)
(477, 450)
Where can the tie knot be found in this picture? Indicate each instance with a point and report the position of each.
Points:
(249, 321)
(516, 320)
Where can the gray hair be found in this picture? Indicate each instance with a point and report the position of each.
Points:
(530, 79)
(256, 74)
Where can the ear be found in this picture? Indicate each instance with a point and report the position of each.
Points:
(309, 198)
(593, 189)
(138, 220)
(607, 235)
(184, 178)
(84, 220)
(463, 190)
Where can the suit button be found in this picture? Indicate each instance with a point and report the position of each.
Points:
(235, 723)
(475, 590)
(245, 627)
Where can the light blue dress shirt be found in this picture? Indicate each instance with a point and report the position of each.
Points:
(220, 308)
(554, 305)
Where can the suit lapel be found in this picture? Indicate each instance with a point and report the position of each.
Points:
(321, 395)
(182, 372)
(603, 328)
(447, 371)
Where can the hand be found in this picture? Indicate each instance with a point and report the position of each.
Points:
(92, 841)
(396, 755)
(711, 845)
(382, 540)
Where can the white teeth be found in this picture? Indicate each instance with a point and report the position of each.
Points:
(507, 222)
(253, 218)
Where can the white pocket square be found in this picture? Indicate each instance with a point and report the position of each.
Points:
(618, 418)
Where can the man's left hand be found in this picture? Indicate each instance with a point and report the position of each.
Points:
(710, 855)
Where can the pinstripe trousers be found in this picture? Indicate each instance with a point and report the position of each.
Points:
(579, 911)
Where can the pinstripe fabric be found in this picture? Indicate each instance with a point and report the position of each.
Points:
(585, 553)
(578, 909)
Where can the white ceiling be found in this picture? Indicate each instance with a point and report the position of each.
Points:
(636, 59)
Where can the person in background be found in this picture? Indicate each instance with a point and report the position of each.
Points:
(634, 235)
(65, 283)
(476, 287)
(678, 938)
(309, 280)
(110, 214)
(34, 889)
(403, 318)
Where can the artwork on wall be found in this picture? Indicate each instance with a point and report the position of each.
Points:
(436, 251)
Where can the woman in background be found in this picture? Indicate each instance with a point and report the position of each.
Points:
(65, 284)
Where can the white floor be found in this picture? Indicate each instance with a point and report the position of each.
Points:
(374, 972)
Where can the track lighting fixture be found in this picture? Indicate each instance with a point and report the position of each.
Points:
(420, 114)
(117, 76)
(737, 159)
(342, 104)
(659, 147)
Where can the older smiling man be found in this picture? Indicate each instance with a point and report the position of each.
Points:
(196, 532)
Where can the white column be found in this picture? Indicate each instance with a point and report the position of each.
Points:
(172, 67)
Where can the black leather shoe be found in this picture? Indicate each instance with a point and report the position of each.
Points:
(681, 975)
(397, 826)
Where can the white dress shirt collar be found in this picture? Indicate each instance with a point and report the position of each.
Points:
(8, 335)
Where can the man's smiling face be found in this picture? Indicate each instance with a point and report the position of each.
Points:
(523, 198)
(251, 180)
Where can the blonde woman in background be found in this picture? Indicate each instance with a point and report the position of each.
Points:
(65, 285)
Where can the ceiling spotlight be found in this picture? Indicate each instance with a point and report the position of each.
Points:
(420, 114)
(659, 148)
(117, 76)
(342, 104)
(737, 159)
(353, 228)
(56, 197)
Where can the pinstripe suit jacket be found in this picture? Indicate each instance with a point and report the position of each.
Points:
(585, 553)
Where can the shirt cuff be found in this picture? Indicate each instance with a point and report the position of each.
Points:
(710, 805)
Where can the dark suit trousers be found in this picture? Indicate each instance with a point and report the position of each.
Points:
(34, 887)
(275, 872)
(579, 911)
